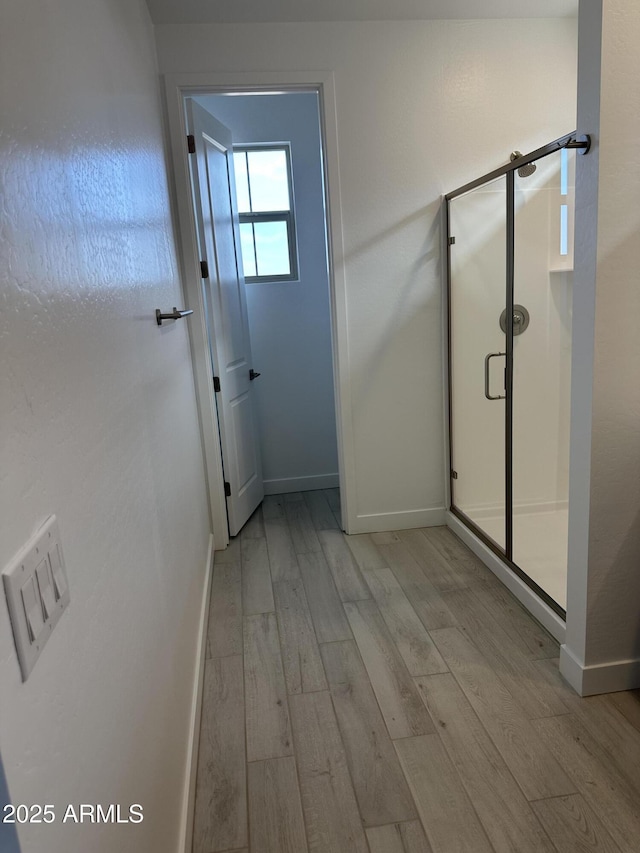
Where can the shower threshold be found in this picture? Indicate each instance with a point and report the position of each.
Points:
(529, 593)
(539, 546)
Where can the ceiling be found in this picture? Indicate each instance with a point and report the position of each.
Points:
(278, 11)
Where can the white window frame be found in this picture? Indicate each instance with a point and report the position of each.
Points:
(286, 216)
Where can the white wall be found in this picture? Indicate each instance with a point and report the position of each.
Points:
(422, 107)
(290, 321)
(99, 424)
(603, 627)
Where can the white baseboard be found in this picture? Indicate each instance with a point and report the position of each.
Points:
(599, 678)
(380, 522)
(526, 596)
(301, 484)
(189, 796)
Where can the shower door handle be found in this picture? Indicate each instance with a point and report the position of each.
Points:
(487, 362)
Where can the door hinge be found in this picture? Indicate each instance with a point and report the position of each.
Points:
(191, 144)
(454, 474)
(452, 241)
(216, 384)
(204, 269)
(227, 489)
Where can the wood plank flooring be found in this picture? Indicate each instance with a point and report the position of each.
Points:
(384, 693)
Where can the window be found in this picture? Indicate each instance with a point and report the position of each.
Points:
(265, 206)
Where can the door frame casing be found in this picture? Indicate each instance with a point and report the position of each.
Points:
(177, 88)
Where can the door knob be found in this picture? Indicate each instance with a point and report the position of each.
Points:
(253, 375)
(174, 315)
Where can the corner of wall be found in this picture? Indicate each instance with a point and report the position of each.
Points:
(609, 677)
(191, 768)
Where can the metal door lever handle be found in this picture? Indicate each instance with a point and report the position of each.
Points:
(175, 315)
(487, 360)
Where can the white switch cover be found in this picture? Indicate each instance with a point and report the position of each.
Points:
(45, 587)
(32, 610)
(37, 590)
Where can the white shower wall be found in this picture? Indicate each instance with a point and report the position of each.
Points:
(542, 354)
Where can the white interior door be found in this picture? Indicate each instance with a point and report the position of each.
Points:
(226, 307)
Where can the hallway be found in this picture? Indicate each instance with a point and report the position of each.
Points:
(385, 693)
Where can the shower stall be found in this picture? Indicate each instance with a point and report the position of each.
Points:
(509, 279)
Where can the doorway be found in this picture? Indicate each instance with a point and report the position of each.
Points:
(295, 346)
(278, 160)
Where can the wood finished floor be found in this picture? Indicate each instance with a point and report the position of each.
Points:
(384, 693)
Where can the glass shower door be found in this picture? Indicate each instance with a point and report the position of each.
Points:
(477, 299)
(543, 273)
(510, 278)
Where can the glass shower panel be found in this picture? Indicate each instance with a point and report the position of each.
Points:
(477, 222)
(543, 276)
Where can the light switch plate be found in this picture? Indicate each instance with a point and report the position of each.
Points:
(37, 590)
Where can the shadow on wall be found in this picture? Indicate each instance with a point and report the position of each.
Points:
(421, 289)
(8, 836)
(613, 610)
(406, 360)
(619, 582)
(423, 214)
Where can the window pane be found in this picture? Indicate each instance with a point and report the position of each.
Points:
(246, 245)
(242, 182)
(272, 248)
(269, 181)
